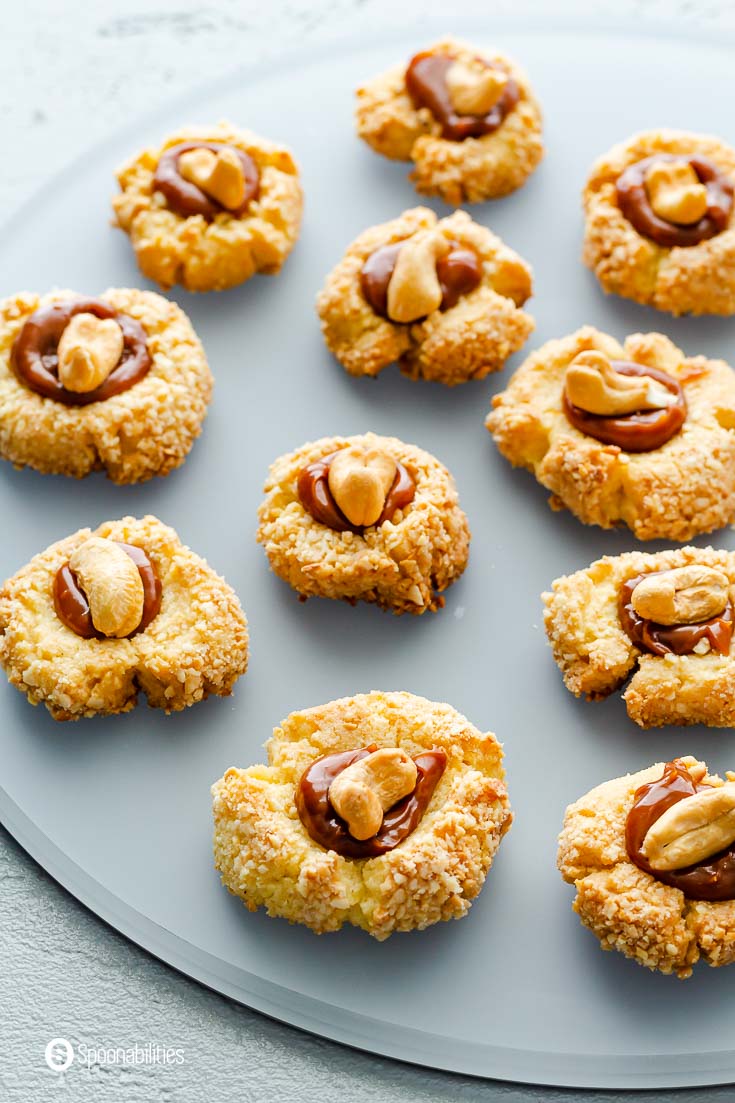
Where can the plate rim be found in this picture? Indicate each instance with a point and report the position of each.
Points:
(415, 1047)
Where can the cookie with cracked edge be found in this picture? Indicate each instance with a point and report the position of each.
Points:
(687, 267)
(465, 324)
(196, 226)
(666, 680)
(627, 908)
(675, 490)
(402, 556)
(194, 644)
(146, 427)
(494, 158)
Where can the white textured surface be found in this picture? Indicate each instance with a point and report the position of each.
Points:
(70, 72)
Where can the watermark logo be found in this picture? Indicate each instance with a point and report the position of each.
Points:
(59, 1054)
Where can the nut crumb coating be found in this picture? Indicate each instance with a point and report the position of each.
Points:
(146, 430)
(197, 645)
(696, 279)
(627, 908)
(267, 858)
(404, 564)
(677, 491)
(212, 255)
(597, 657)
(467, 341)
(468, 171)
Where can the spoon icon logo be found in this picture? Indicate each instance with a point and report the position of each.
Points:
(59, 1054)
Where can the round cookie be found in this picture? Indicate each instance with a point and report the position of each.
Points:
(442, 297)
(99, 615)
(365, 518)
(656, 916)
(602, 629)
(267, 855)
(659, 222)
(467, 119)
(210, 207)
(140, 379)
(646, 468)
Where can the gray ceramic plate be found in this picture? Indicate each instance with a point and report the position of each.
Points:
(118, 809)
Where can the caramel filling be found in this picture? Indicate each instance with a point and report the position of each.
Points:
(676, 639)
(636, 206)
(642, 431)
(426, 82)
(187, 198)
(459, 272)
(712, 879)
(35, 359)
(318, 500)
(72, 607)
(325, 826)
